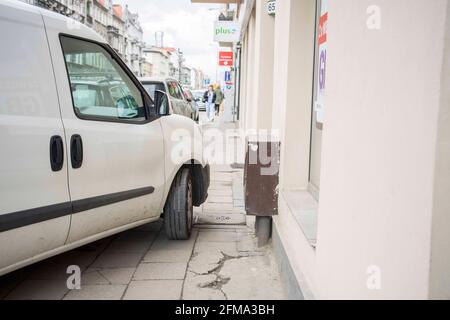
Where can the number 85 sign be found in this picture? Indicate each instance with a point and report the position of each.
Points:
(271, 7)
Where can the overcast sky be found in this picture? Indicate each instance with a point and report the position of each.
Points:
(186, 26)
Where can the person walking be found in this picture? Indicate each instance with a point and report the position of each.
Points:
(219, 99)
(210, 99)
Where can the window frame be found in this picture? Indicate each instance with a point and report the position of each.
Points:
(177, 86)
(312, 187)
(149, 106)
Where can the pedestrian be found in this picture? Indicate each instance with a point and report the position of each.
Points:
(219, 99)
(210, 99)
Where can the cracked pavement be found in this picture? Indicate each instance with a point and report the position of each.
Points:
(221, 261)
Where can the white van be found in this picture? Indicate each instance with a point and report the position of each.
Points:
(85, 152)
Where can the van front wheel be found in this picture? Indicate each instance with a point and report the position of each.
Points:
(178, 211)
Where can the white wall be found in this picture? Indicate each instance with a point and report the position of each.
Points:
(440, 246)
(263, 60)
(379, 148)
(385, 173)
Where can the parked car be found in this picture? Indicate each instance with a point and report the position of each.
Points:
(190, 97)
(86, 152)
(179, 104)
(198, 95)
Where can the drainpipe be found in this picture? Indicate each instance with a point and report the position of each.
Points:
(248, 12)
(237, 91)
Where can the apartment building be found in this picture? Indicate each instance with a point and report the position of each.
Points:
(160, 61)
(134, 41)
(119, 26)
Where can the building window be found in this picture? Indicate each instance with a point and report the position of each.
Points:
(319, 85)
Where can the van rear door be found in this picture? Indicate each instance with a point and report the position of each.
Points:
(34, 198)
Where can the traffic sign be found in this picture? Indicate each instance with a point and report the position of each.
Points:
(226, 58)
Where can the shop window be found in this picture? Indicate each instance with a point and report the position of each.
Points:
(319, 104)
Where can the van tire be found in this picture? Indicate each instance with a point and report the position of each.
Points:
(178, 211)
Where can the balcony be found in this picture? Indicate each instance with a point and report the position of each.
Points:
(113, 30)
(89, 20)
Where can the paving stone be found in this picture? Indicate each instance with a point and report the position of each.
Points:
(47, 270)
(247, 243)
(128, 247)
(220, 199)
(97, 292)
(135, 235)
(229, 248)
(154, 290)
(225, 192)
(221, 167)
(223, 227)
(94, 276)
(76, 257)
(204, 262)
(260, 275)
(216, 236)
(251, 222)
(239, 203)
(160, 271)
(168, 256)
(221, 176)
(39, 290)
(219, 207)
(10, 281)
(235, 210)
(151, 227)
(230, 219)
(162, 243)
(117, 260)
(197, 287)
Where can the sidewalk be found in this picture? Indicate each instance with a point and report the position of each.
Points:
(221, 260)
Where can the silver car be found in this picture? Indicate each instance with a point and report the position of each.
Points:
(179, 103)
(198, 96)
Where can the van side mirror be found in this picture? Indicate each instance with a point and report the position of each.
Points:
(162, 103)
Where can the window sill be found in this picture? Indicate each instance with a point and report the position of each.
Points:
(304, 208)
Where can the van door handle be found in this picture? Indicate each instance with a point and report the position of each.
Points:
(56, 153)
(76, 151)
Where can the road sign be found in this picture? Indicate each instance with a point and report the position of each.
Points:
(226, 58)
(227, 76)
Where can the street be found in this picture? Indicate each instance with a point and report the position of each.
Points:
(221, 260)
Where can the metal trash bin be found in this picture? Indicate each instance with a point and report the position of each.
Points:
(261, 179)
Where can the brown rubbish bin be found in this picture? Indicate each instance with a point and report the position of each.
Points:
(261, 178)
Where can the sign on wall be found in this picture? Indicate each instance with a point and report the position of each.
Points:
(226, 31)
(226, 58)
(271, 7)
(227, 76)
(322, 62)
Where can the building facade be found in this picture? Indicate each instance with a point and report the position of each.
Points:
(361, 105)
(117, 25)
(160, 61)
(134, 42)
(116, 30)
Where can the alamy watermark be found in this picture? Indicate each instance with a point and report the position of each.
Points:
(374, 17)
(74, 280)
(373, 277)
